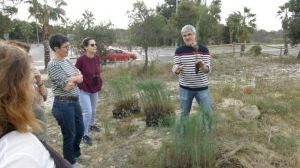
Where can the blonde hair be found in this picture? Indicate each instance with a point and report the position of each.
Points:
(16, 95)
(20, 44)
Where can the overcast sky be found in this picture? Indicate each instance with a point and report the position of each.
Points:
(115, 10)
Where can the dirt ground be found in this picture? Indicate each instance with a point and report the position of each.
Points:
(270, 140)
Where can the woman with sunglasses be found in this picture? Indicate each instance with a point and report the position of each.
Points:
(90, 66)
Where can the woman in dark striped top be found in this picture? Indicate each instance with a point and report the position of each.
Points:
(192, 65)
(66, 109)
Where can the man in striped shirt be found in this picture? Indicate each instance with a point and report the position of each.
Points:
(192, 65)
(66, 109)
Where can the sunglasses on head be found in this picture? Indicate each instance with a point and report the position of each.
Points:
(93, 45)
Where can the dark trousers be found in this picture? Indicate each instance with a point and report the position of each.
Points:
(69, 117)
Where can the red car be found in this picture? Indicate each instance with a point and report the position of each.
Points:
(119, 55)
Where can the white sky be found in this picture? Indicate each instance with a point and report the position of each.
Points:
(115, 10)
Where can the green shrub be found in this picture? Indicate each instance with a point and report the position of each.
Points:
(270, 105)
(255, 50)
(156, 103)
(124, 101)
(191, 147)
(227, 90)
(284, 144)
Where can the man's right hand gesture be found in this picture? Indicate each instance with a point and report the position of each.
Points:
(178, 69)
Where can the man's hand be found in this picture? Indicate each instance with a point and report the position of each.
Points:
(201, 65)
(178, 69)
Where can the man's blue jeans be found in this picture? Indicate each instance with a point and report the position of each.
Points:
(68, 115)
(88, 102)
(203, 99)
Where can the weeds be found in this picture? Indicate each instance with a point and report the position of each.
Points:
(125, 129)
(156, 103)
(124, 100)
(191, 147)
(286, 145)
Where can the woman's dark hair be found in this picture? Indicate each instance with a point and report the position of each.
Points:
(57, 40)
(85, 42)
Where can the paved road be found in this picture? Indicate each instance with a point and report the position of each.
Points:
(163, 54)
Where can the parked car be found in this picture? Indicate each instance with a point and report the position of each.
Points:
(119, 55)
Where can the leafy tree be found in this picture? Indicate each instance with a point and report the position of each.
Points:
(208, 27)
(122, 38)
(188, 13)
(247, 27)
(283, 14)
(44, 13)
(167, 8)
(215, 9)
(294, 23)
(145, 27)
(6, 25)
(8, 7)
(204, 24)
(26, 30)
(102, 33)
(242, 25)
(170, 31)
(216, 29)
(206, 19)
(234, 23)
(225, 34)
(88, 19)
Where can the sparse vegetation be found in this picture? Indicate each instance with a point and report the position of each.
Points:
(271, 140)
(191, 147)
(156, 103)
(125, 102)
(255, 50)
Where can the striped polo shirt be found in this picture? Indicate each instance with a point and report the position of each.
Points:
(187, 56)
(59, 71)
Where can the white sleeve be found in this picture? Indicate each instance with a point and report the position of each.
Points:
(21, 160)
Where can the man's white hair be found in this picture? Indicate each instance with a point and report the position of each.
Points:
(188, 28)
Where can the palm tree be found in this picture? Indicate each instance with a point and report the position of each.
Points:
(88, 19)
(247, 26)
(234, 24)
(283, 14)
(44, 13)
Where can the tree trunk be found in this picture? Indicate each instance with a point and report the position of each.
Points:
(243, 47)
(145, 69)
(46, 53)
(46, 45)
(286, 50)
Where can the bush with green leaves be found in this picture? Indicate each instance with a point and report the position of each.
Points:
(192, 146)
(156, 103)
(255, 50)
(124, 101)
